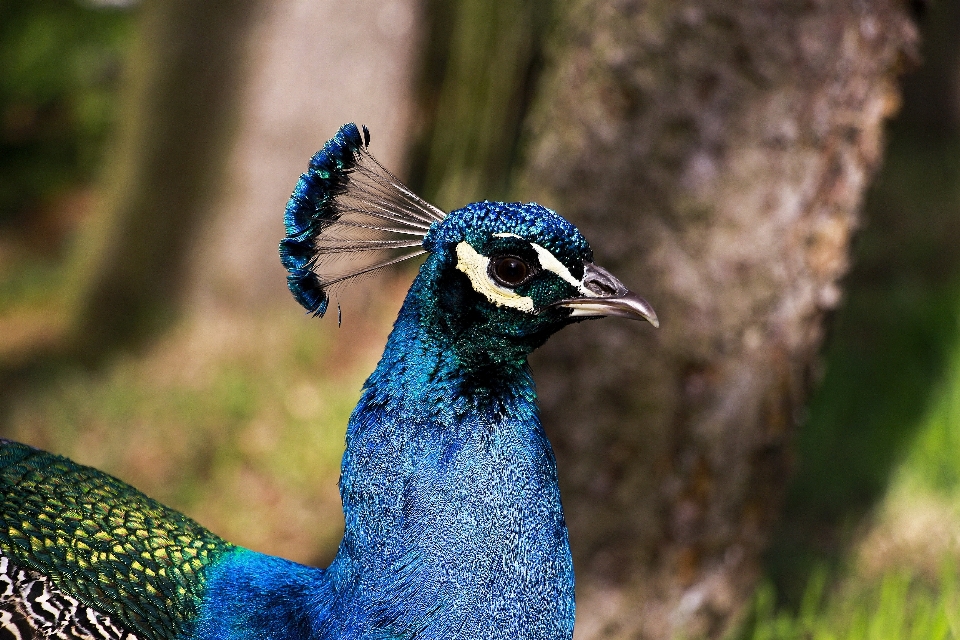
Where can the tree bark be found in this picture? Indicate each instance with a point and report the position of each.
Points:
(715, 153)
(887, 355)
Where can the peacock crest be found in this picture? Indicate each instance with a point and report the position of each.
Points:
(348, 216)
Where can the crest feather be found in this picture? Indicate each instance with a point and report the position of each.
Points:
(348, 216)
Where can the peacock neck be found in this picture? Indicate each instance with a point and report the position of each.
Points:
(454, 527)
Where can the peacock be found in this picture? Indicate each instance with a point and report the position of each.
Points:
(454, 527)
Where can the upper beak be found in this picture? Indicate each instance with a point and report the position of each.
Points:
(606, 296)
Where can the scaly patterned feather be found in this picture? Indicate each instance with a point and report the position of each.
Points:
(348, 216)
(102, 542)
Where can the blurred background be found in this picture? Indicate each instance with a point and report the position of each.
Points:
(781, 460)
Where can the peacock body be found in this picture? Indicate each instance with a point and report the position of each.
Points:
(454, 527)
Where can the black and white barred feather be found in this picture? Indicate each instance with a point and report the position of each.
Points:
(33, 608)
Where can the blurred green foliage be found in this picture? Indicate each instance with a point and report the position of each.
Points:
(60, 63)
(899, 607)
(481, 64)
(239, 426)
(933, 459)
(881, 461)
(28, 285)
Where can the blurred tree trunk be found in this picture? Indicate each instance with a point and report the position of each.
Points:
(178, 121)
(715, 153)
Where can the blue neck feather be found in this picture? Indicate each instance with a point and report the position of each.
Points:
(449, 486)
(454, 527)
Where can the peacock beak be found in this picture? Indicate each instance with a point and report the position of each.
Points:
(606, 296)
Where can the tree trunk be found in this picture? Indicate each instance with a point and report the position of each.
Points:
(889, 349)
(179, 119)
(715, 153)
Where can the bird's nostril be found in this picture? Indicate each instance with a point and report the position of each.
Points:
(600, 288)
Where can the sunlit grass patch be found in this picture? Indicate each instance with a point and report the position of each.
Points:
(933, 460)
(899, 606)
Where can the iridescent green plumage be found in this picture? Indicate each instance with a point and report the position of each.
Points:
(103, 542)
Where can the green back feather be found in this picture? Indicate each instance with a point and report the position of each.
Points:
(103, 542)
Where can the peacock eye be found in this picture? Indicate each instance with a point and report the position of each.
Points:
(510, 271)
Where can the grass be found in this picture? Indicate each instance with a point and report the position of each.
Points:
(932, 463)
(897, 607)
(897, 579)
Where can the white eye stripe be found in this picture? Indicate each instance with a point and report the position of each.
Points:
(549, 262)
(475, 266)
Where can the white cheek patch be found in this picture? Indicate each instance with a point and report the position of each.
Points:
(475, 266)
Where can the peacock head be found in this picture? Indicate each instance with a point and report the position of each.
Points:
(499, 276)
(519, 271)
